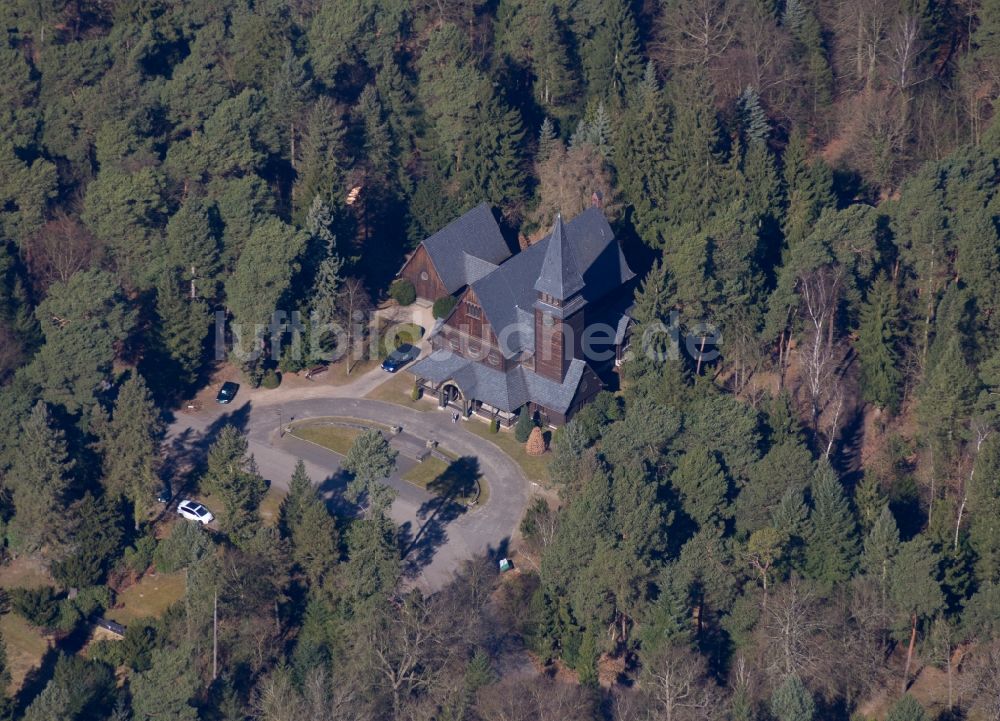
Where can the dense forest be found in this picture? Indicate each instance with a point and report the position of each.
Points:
(794, 530)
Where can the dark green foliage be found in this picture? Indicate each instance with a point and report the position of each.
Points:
(371, 460)
(166, 689)
(232, 475)
(185, 545)
(792, 701)
(129, 444)
(40, 479)
(96, 546)
(525, 422)
(443, 306)
(79, 690)
(832, 545)
(907, 709)
(38, 606)
(403, 292)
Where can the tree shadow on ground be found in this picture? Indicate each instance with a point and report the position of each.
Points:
(185, 455)
(458, 482)
(333, 491)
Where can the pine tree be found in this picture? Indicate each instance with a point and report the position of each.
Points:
(232, 475)
(84, 321)
(611, 58)
(907, 709)
(324, 158)
(179, 334)
(556, 82)
(694, 168)
(832, 545)
(792, 701)
(166, 690)
(877, 338)
(130, 446)
(371, 460)
(192, 246)
(546, 140)
(702, 486)
(315, 541)
(6, 703)
(300, 491)
(984, 511)
(373, 566)
(40, 479)
(914, 589)
(881, 548)
(755, 125)
(869, 500)
(641, 141)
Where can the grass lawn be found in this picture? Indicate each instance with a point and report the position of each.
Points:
(149, 598)
(536, 468)
(337, 375)
(336, 438)
(25, 644)
(25, 647)
(397, 390)
(423, 473)
(271, 504)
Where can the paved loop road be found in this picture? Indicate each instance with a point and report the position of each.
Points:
(436, 537)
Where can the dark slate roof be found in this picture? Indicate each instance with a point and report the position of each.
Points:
(508, 294)
(467, 248)
(559, 276)
(506, 391)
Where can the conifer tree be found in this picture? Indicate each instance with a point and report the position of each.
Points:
(167, 688)
(180, 331)
(324, 159)
(192, 247)
(694, 168)
(546, 140)
(907, 709)
(877, 338)
(232, 475)
(702, 486)
(881, 547)
(300, 490)
(130, 445)
(611, 57)
(984, 510)
(832, 545)
(755, 125)
(371, 460)
(641, 143)
(792, 701)
(40, 479)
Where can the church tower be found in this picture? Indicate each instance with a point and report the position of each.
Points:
(558, 307)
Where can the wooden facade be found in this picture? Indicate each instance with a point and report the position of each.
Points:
(419, 269)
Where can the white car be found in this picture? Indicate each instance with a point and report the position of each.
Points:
(194, 511)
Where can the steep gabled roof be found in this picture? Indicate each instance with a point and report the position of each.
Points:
(559, 276)
(468, 248)
(507, 295)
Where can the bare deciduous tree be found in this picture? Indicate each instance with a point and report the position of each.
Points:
(568, 180)
(59, 249)
(675, 679)
(819, 293)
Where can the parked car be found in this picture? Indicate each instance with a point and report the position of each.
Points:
(227, 392)
(194, 511)
(165, 494)
(400, 357)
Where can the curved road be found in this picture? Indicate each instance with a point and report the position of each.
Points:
(437, 537)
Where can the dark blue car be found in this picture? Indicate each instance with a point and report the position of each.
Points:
(227, 392)
(400, 357)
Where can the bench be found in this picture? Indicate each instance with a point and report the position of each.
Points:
(315, 371)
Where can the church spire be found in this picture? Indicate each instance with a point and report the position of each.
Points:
(559, 277)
